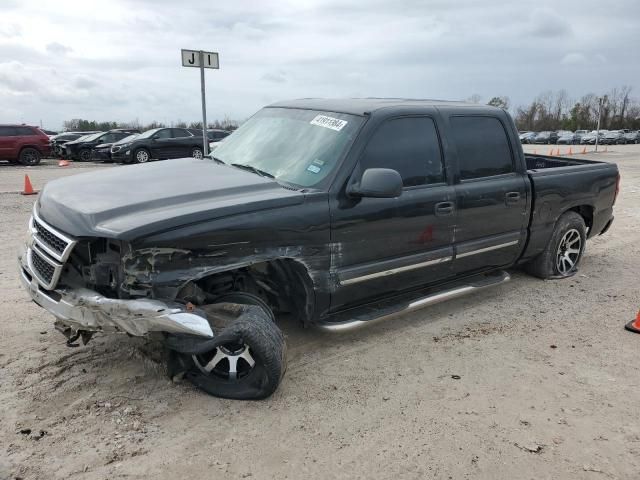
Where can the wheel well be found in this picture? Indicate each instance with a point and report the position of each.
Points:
(24, 147)
(284, 284)
(586, 212)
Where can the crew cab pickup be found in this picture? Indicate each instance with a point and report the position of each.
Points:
(333, 212)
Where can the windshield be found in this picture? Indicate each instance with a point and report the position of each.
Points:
(127, 139)
(148, 133)
(297, 146)
(88, 138)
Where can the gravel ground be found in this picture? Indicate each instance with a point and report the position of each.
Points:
(532, 379)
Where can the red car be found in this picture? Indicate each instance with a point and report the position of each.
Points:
(24, 144)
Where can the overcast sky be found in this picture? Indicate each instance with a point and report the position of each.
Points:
(120, 60)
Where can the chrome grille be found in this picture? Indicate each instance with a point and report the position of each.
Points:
(48, 251)
(56, 243)
(53, 242)
(43, 269)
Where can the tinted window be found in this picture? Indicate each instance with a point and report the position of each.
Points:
(410, 146)
(483, 147)
(164, 133)
(181, 132)
(7, 131)
(25, 131)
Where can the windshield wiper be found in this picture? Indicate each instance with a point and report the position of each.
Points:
(255, 170)
(216, 159)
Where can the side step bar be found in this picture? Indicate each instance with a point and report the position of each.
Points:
(383, 312)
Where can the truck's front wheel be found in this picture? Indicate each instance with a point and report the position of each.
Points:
(564, 251)
(246, 359)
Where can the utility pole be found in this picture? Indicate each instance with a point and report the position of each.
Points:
(600, 100)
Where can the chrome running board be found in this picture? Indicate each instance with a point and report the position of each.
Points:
(368, 315)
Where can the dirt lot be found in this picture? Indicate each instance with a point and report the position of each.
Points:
(532, 379)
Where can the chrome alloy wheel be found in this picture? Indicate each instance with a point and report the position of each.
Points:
(230, 362)
(569, 251)
(142, 156)
(197, 153)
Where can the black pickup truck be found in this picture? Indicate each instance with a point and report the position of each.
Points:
(333, 212)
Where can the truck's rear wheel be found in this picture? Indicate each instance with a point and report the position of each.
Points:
(244, 361)
(564, 251)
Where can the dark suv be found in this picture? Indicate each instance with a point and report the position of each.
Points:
(158, 143)
(80, 149)
(23, 143)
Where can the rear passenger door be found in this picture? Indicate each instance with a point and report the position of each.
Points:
(491, 195)
(184, 142)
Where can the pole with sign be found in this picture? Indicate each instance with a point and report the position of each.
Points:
(202, 60)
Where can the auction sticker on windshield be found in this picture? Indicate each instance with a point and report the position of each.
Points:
(329, 122)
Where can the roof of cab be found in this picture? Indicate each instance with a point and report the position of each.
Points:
(364, 106)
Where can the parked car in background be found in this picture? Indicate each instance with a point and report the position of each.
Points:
(527, 137)
(103, 150)
(632, 137)
(61, 139)
(567, 138)
(545, 138)
(81, 149)
(159, 143)
(579, 134)
(590, 138)
(24, 144)
(613, 137)
(213, 134)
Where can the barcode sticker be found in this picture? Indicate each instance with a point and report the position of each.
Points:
(329, 122)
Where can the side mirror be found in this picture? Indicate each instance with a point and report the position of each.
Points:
(378, 183)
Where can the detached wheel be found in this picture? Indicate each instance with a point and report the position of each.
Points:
(141, 156)
(564, 251)
(30, 157)
(197, 153)
(246, 359)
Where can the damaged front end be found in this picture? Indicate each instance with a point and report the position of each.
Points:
(80, 282)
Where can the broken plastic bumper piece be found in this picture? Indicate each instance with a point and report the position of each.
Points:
(82, 309)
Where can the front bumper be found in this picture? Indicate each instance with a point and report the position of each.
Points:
(82, 309)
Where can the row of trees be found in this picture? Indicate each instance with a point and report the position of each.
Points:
(558, 111)
(82, 125)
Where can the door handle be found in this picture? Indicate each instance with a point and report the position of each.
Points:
(444, 209)
(511, 198)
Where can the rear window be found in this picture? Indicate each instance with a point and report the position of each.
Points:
(482, 145)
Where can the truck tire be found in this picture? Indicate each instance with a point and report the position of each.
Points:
(30, 157)
(246, 359)
(564, 251)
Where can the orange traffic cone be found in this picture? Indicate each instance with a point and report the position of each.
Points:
(584, 150)
(634, 326)
(28, 188)
(63, 163)
(558, 154)
(551, 153)
(570, 152)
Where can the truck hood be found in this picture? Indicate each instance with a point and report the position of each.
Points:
(137, 200)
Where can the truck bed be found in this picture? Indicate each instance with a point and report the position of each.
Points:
(543, 162)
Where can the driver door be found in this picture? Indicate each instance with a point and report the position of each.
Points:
(163, 144)
(384, 246)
